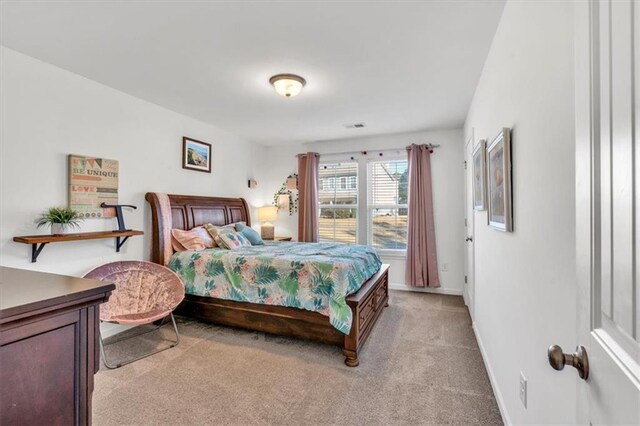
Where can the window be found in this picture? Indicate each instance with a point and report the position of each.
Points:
(381, 221)
(387, 204)
(338, 202)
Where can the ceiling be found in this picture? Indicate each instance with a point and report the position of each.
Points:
(395, 66)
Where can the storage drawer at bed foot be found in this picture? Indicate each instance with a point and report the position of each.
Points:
(371, 307)
(381, 296)
(367, 311)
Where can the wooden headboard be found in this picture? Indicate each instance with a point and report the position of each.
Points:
(169, 211)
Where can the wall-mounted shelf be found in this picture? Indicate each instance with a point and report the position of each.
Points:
(39, 241)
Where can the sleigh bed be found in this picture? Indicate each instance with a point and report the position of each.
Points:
(186, 212)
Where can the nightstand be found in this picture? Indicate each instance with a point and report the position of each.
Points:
(282, 239)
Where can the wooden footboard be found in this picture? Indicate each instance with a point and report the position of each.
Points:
(366, 305)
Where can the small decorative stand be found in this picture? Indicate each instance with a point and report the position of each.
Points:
(119, 214)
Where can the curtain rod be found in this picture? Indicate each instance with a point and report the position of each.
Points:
(378, 151)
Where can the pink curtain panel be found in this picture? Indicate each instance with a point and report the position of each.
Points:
(422, 265)
(308, 176)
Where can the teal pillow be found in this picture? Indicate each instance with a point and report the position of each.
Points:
(250, 233)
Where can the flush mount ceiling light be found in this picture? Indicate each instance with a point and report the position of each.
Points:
(287, 85)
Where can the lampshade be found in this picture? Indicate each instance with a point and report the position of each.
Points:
(267, 213)
(287, 85)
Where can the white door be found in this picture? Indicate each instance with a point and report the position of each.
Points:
(608, 209)
(469, 223)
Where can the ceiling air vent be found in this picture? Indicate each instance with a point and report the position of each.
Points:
(354, 126)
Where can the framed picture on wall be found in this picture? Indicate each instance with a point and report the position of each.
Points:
(92, 181)
(499, 182)
(480, 176)
(196, 155)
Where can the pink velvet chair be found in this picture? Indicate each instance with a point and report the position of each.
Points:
(145, 292)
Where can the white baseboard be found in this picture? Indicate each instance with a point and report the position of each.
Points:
(438, 290)
(492, 379)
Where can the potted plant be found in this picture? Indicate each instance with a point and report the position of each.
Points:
(61, 219)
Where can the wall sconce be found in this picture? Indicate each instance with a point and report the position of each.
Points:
(252, 183)
(292, 182)
(283, 202)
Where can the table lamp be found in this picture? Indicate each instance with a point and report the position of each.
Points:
(266, 214)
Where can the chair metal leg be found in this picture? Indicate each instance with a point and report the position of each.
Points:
(157, 327)
(173, 344)
(175, 329)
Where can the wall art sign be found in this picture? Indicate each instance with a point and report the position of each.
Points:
(92, 181)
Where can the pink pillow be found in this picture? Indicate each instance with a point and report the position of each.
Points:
(196, 239)
(204, 235)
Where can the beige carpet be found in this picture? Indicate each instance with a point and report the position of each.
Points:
(421, 365)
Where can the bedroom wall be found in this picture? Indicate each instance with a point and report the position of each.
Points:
(525, 289)
(47, 113)
(448, 200)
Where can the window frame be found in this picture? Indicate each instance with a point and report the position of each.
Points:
(364, 228)
(371, 207)
(335, 187)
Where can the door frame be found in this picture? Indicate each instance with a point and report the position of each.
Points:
(469, 214)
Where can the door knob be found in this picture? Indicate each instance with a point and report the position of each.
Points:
(579, 360)
(468, 239)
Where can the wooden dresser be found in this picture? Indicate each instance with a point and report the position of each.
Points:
(49, 327)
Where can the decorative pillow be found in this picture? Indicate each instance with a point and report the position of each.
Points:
(204, 235)
(186, 240)
(232, 240)
(250, 233)
(213, 230)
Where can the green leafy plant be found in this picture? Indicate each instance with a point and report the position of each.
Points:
(61, 215)
(293, 197)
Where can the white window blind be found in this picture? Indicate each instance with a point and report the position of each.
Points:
(338, 202)
(387, 204)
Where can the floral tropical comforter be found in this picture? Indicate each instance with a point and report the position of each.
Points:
(313, 276)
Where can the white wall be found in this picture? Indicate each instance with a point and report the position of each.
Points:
(48, 113)
(525, 290)
(448, 200)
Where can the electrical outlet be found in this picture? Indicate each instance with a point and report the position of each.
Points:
(445, 267)
(523, 389)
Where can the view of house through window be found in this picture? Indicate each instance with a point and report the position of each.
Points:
(338, 199)
(386, 210)
(387, 204)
